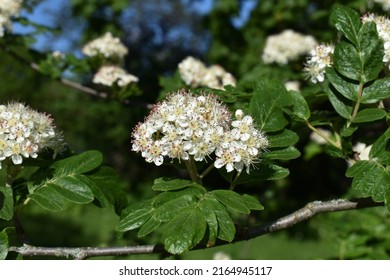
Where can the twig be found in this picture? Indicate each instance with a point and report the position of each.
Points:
(70, 83)
(84, 252)
(305, 213)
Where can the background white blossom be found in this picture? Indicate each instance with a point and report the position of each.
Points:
(107, 46)
(8, 10)
(195, 73)
(109, 75)
(287, 46)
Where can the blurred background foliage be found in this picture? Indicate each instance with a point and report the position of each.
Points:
(159, 34)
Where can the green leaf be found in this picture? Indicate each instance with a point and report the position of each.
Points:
(207, 208)
(300, 108)
(378, 90)
(369, 115)
(252, 203)
(346, 88)
(283, 154)
(48, 198)
(226, 228)
(342, 106)
(282, 139)
(231, 200)
(74, 188)
(171, 195)
(6, 203)
(347, 61)
(105, 187)
(370, 52)
(266, 105)
(148, 227)
(79, 164)
(135, 216)
(347, 131)
(378, 150)
(347, 21)
(185, 231)
(3, 244)
(264, 171)
(164, 184)
(371, 178)
(169, 210)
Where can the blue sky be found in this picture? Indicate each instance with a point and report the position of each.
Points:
(43, 14)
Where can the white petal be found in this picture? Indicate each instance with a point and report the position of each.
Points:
(159, 160)
(219, 163)
(229, 167)
(17, 159)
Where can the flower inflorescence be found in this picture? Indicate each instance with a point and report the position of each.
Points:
(8, 9)
(108, 75)
(383, 27)
(186, 125)
(24, 132)
(107, 46)
(286, 46)
(196, 74)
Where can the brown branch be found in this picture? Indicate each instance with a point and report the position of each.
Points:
(305, 213)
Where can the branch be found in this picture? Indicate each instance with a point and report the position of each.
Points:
(68, 82)
(85, 252)
(305, 213)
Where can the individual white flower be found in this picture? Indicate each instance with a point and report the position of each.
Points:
(221, 256)
(292, 85)
(8, 10)
(25, 132)
(363, 150)
(320, 57)
(58, 55)
(107, 46)
(109, 75)
(286, 46)
(383, 27)
(195, 73)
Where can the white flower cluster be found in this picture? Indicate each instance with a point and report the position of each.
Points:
(383, 27)
(8, 9)
(109, 75)
(320, 57)
(287, 46)
(185, 125)
(107, 46)
(25, 132)
(195, 74)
